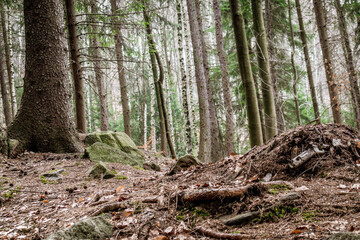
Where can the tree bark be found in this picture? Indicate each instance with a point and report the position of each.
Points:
(121, 70)
(229, 122)
(76, 67)
(307, 61)
(205, 127)
(44, 122)
(264, 70)
(4, 92)
(327, 59)
(355, 93)
(246, 74)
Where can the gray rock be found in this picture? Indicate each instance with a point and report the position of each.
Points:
(152, 166)
(53, 175)
(89, 228)
(241, 218)
(344, 236)
(289, 196)
(100, 169)
(184, 163)
(267, 177)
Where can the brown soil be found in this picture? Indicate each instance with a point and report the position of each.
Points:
(151, 208)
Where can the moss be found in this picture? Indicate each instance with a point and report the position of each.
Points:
(121, 177)
(140, 168)
(278, 188)
(308, 216)
(277, 213)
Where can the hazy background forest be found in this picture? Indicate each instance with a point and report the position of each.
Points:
(120, 72)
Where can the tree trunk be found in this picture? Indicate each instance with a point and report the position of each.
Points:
(76, 67)
(264, 70)
(216, 148)
(246, 74)
(355, 93)
(229, 135)
(205, 127)
(95, 45)
(295, 75)
(4, 92)
(44, 122)
(121, 70)
(307, 61)
(8, 60)
(327, 59)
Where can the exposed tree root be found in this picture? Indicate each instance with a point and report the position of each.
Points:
(107, 208)
(210, 233)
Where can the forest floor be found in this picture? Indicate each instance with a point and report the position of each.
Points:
(324, 192)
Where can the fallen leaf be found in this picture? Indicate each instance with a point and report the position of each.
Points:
(127, 213)
(233, 154)
(254, 178)
(45, 201)
(162, 237)
(119, 189)
(296, 231)
(81, 199)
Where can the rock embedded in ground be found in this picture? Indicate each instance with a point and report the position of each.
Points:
(100, 170)
(54, 175)
(241, 218)
(152, 166)
(184, 163)
(89, 228)
(344, 236)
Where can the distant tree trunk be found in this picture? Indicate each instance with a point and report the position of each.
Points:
(76, 67)
(273, 65)
(355, 93)
(121, 70)
(295, 75)
(8, 60)
(44, 122)
(246, 74)
(327, 59)
(229, 135)
(264, 70)
(4, 92)
(216, 148)
(184, 87)
(152, 122)
(307, 61)
(95, 45)
(205, 127)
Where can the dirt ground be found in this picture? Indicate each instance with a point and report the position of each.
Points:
(153, 205)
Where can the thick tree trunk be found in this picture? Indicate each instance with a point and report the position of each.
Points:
(264, 70)
(246, 74)
(307, 61)
(205, 127)
(355, 93)
(216, 148)
(327, 59)
(4, 91)
(76, 68)
(229, 135)
(121, 70)
(44, 122)
(295, 75)
(8, 60)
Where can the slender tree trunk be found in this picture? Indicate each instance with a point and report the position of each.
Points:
(8, 60)
(98, 73)
(229, 135)
(264, 70)
(355, 93)
(205, 127)
(76, 67)
(152, 122)
(307, 61)
(121, 70)
(4, 92)
(246, 74)
(327, 59)
(295, 75)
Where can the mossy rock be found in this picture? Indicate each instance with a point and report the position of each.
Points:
(184, 163)
(90, 228)
(100, 169)
(101, 152)
(344, 236)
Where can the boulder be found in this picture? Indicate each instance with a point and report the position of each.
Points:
(101, 152)
(344, 236)
(89, 228)
(100, 169)
(184, 163)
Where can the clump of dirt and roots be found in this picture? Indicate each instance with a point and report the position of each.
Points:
(302, 184)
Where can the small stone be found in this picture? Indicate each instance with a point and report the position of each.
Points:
(336, 142)
(302, 188)
(100, 169)
(290, 196)
(267, 177)
(184, 163)
(342, 186)
(152, 166)
(241, 218)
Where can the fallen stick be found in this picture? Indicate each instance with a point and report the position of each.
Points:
(210, 233)
(108, 208)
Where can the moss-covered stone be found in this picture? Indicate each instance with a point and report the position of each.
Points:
(92, 138)
(90, 228)
(184, 163)
(108, 138)
(101, 152)
(100, 170)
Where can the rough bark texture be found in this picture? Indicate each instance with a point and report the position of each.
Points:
(44, 122)
(8, 60)
(121, 70)
(264, 70)
(184, 86)
(229, 135)
(4, 92)
(205, 140)
(327, 59)
(307, 61)
(104, 126)
(355, 93)
(246, 74)
(76, 67)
